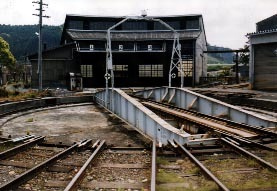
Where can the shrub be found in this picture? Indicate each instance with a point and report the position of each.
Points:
(4, 92)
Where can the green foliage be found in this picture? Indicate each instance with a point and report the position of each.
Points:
(214, 60)
(6, 57)
(212, 68)
(168, 177)
(244, 57)
(23, 40)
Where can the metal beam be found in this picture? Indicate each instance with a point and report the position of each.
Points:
(206, 105)
(226, 51)
(144, 120)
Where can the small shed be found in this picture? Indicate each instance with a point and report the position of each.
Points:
(263, 55)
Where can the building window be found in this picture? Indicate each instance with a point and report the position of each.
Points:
(134, 25)
(76, 25)
(91, 47)
(86, 71)
(104, 25)
(275, 52)
(120, 71)
(192, 24)
(120, 47)
(187, 68)
(155, 71)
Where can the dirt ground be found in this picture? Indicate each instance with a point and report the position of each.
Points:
(73, 124)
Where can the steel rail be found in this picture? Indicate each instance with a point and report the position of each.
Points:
(20, 148)
(233, 136)
(203, 168)
(218, 119)
(34, 171)
(252, 143)
(222, 120)
(201, 121)
(79, 176)
(17, 139)
(250, 155)
(153, 168)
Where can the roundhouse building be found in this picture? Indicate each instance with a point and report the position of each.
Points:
(141, 51)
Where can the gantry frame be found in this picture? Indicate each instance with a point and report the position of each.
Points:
(176, 58)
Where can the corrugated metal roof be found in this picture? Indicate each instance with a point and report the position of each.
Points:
(122, 17)
(266, 19)
(262, 32)
(131, 35)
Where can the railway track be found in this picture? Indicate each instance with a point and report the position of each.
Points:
(30, 165)
(36, 165)
(242, 151)
(8, 143)
(226, 164)
(219, 126)
(123, 168)
(175, 171)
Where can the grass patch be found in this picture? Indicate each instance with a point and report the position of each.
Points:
(30, 120)
(168, 177)
(17, 96)
(225, 170)
(263, 179)
(198, 184)
(162, 161)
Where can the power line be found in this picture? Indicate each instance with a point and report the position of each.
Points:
(40, 10)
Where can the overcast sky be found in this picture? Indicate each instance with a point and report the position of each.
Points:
(226, 21)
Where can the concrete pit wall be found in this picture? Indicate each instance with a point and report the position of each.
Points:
(12, 107)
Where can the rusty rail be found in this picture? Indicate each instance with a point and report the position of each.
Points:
(250, 155)
(232, 124)
(260, 130)
(153, 168)
(200, 121)
(20, 148)
(203, 168)
(78, 177)
(37, 169)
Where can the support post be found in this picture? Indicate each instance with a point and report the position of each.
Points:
(237, 67)
(40, 9)
(40, 48)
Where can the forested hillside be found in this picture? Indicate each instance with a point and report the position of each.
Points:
(23, 41)
(219, 58)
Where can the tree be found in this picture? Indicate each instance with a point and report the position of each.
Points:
(244, 56)
(6, 57)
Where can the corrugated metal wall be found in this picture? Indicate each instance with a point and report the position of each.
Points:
(265, 67)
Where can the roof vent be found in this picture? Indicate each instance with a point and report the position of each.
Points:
(143, 13)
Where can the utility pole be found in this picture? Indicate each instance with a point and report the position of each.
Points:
(40, 10)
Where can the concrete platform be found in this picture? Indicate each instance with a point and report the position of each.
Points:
(74, 124)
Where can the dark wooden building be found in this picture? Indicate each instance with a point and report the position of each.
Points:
(263, 55)
(141, 51)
